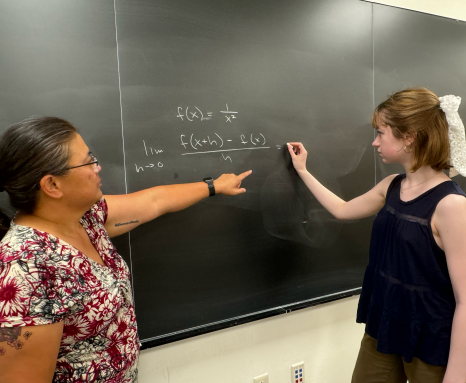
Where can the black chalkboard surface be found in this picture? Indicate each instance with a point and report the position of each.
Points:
(173, 91)
(59, 58)
(210, 87)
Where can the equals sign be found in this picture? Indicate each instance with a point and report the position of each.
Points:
(209, 116)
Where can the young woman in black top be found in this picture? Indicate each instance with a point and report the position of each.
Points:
(413, 299)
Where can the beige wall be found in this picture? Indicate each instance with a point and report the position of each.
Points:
(454, 9)
(325, 337)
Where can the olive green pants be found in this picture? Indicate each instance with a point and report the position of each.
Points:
(373, 366)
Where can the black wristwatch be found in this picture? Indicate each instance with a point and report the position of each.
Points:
(210, 184)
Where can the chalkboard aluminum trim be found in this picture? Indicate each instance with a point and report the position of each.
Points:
(204, 329)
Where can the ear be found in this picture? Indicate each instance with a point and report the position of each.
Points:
(51, 186)
(409, 138)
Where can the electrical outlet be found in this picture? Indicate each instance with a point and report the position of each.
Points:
(297, 373)
(264, 378)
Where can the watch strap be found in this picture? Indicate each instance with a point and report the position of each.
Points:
(210, 184)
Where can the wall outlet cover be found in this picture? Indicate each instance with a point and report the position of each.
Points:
(264, 378)
(297, 373)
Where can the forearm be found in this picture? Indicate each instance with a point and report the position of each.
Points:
(327, 199)
(127, 211)
(456, 368)
(172, 198)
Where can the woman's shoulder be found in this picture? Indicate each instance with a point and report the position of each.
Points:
(97, 214)
(450, 196)
(388, 182)
(24, 243)
(392, 177)
(452, 204)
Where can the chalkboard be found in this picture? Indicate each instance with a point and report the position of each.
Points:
(173, 91)
(59, 58)
(210, 87)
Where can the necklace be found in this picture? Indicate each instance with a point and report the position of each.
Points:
(402, 190)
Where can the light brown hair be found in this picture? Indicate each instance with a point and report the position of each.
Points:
(416, 111)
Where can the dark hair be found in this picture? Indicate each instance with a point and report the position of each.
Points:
(417, 111)
(29, 150)
(4, 224)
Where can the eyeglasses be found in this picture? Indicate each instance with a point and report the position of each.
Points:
(94, 161)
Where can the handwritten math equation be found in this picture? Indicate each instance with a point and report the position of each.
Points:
(197, 142)
(191, 114)
(205, 144)
(152, 151)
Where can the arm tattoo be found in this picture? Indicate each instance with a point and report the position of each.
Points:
(8, 334)
(11, 335)
(125, 223)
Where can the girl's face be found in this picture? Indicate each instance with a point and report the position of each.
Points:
(390, 148)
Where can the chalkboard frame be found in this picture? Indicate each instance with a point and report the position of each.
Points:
(231, 322)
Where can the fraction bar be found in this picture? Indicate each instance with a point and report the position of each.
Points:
(226, 150)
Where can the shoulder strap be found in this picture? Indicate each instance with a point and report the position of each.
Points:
(394, 185)
(458, 189)
(443, 190)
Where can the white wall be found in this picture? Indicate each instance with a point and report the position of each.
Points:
(326, 337)
(453, 9)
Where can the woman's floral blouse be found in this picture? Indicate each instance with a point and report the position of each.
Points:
(44, 280)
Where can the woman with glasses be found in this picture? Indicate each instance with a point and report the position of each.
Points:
(66, 310)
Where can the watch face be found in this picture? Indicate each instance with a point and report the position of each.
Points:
(208, 179)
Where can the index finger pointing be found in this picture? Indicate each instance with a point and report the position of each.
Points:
(242, 176)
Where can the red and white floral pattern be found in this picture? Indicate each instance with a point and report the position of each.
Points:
(44, 280)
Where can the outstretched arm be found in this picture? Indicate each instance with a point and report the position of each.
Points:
(450, 221)
(363, 206)
(127, 211)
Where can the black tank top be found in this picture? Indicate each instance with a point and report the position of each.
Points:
(407, 299)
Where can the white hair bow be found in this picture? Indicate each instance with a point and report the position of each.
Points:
(450, 104)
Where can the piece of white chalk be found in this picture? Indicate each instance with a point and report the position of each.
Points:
(290, 145)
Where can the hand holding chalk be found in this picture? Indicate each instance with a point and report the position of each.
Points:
(298, 155)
